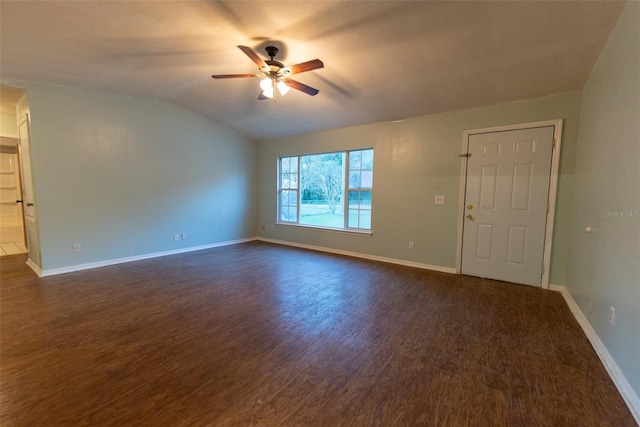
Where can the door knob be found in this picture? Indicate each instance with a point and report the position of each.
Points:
(469, 207)
(469, 217)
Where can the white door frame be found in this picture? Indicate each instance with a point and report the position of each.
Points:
(553, 185)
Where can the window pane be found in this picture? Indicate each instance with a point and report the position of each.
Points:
(355, 159)
(365, 219)
(365, 200)
(353, 218)
(322, 182)
(284, 166)
(293, 198)
(288, 213)
(367, 159)
(354, 199)
(366, 180)
(354, 179)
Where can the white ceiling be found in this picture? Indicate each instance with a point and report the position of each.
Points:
(384, 60)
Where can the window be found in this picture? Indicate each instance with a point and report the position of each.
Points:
(289, 189)
(360, 186)
(329, 190)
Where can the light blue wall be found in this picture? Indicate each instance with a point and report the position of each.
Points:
(121, 175)
(605, 264)
(415, 160)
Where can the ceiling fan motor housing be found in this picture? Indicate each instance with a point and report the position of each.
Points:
(271, 51)
(276, 68)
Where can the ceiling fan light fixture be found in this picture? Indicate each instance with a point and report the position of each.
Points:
(266, 84)
(268, 87)
(282, 88)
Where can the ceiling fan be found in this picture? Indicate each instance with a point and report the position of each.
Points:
(274, 75)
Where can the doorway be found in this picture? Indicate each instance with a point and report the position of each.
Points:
(508, 202)
(12, 233)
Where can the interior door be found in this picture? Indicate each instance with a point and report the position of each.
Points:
(28, 203)
(506, 203)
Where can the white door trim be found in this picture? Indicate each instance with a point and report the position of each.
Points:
(553, 185)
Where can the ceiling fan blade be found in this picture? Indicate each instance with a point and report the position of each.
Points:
(306, 66)
(253, 56)
(301, 87)
(232, 76)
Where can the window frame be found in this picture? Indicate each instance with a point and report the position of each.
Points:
(289, 188)
(360, 189)
(346, 189)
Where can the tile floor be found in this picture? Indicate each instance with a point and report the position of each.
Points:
(12, 248)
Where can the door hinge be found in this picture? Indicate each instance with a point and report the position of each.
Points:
(464, 155)
(553, 145)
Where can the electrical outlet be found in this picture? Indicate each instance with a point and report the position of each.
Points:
(612, 315)
(176, 237)
(439, 200)
(410, 245)
(183, 236)
(77, 247)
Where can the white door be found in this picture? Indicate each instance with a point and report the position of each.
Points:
(30, 220)
(506, 203)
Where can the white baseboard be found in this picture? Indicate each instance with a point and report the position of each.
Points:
(361, 255)
(87, 266)
(79, 267)
(628, 394)
(35, 267)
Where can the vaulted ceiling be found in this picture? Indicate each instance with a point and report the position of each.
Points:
(384, 60)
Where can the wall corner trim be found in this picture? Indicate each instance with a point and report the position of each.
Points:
(35, 267)
(441, 269)
(80, 267)
(628, 394)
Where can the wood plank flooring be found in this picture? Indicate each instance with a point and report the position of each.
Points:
(259, 334)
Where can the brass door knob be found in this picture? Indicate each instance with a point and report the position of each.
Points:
(469, 207)
(469, 216)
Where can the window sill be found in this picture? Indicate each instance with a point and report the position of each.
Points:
(331, 230)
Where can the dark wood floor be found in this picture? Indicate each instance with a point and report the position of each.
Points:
(258, 334)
